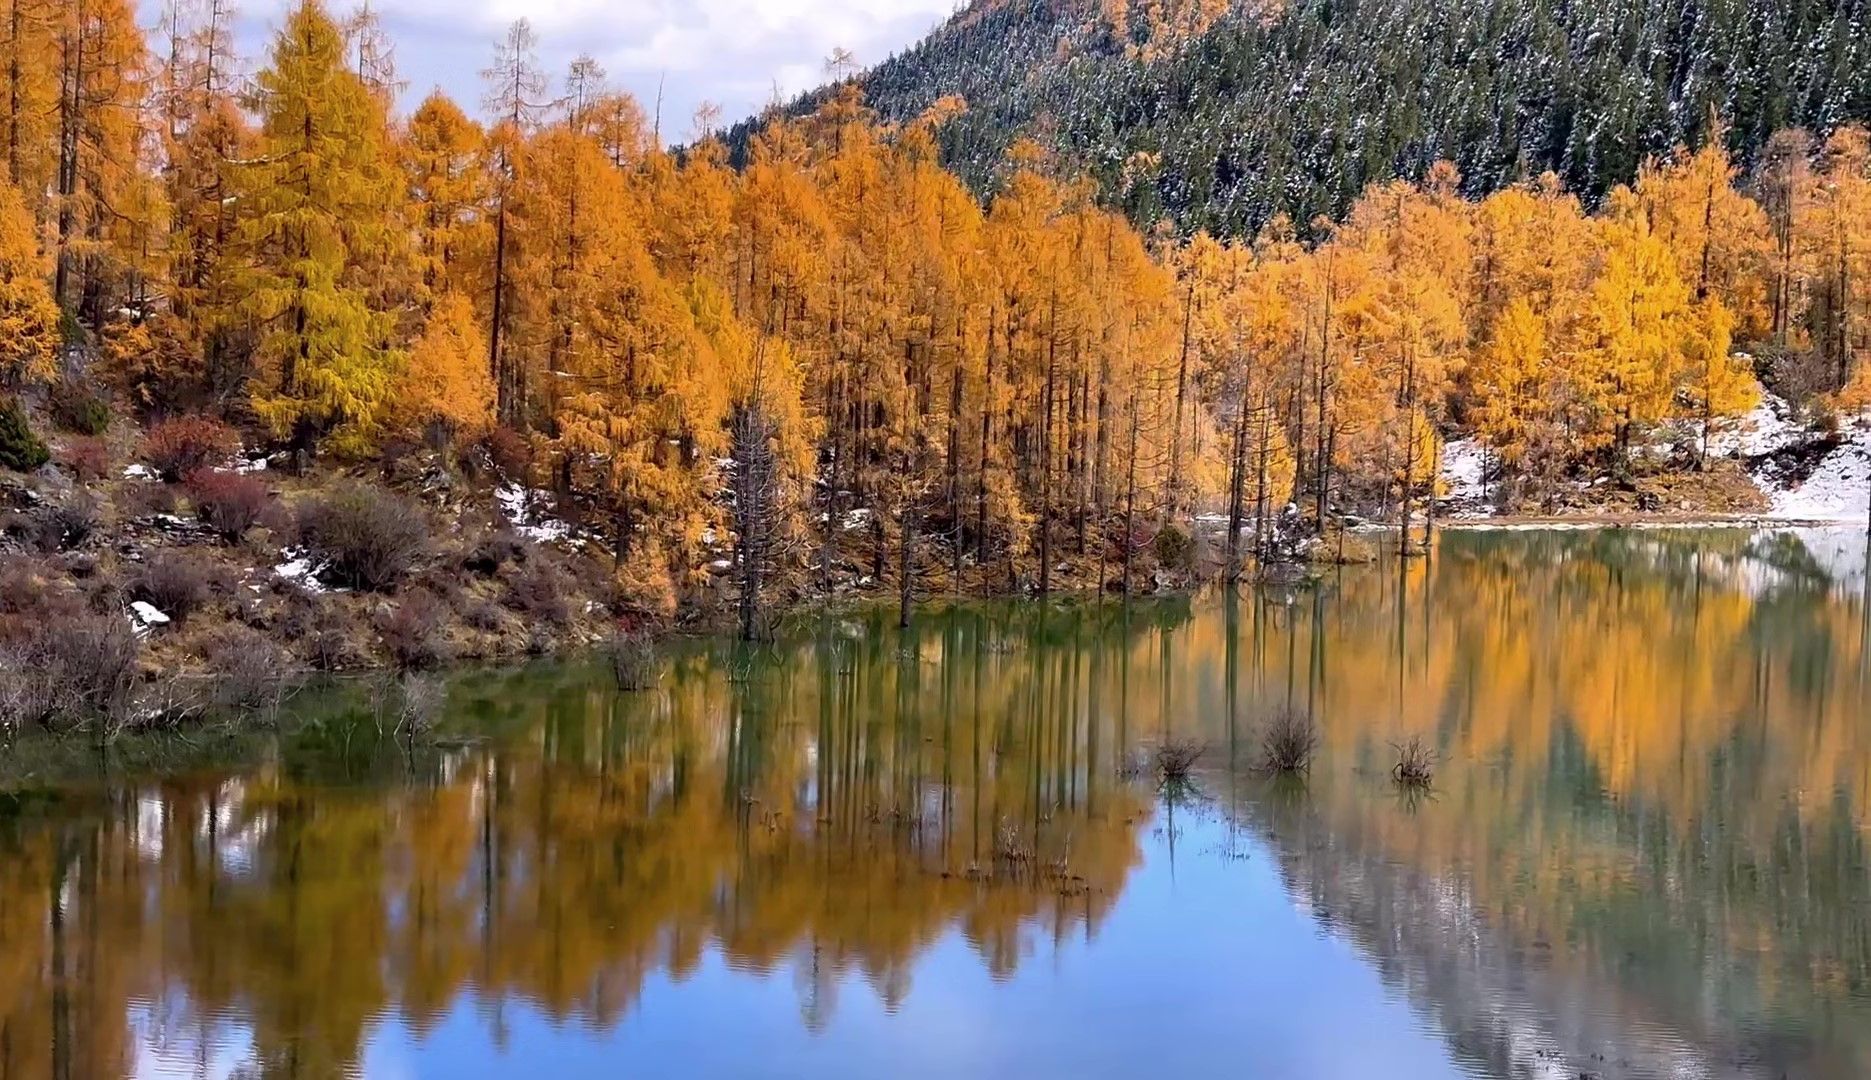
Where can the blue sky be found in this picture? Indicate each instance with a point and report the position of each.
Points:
(731, 52)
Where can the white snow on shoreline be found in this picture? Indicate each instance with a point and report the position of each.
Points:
(1839, 489)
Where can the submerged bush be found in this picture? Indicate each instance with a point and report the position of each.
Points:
(178, 447)
(20, 449)
(367, 537)
(633, 660)
(1416, 763)
(1176, 758)
(1288, 743)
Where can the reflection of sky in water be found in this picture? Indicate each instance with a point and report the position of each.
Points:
(1209, 967)
(170, 1044)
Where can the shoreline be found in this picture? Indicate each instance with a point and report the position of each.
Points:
(1559, 522)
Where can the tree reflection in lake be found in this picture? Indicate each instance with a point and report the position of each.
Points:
(1644, 853)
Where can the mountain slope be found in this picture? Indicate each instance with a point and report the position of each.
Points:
(1221, 120)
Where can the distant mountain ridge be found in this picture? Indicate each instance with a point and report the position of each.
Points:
(1219, 115)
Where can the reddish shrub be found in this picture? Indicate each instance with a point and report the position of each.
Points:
(178, 447)
(508, 452)
(229, 502)
(88, 458)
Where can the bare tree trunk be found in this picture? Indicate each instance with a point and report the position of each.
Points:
(1260, 484)
(1237, 485)
(906, 554)
(1130, 493)
(1045, 450)
(1174, 503)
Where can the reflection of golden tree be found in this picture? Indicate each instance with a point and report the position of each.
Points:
(831, 806)
(834, 809)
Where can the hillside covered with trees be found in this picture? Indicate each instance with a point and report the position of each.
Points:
(1222, 114)
(354, 358)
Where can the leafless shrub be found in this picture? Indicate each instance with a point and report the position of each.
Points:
(495, 549)
(537, 589)
(482, 615)
(367, 537)
(412, 632)
(248, 672)
(330, 641)
(175, 582)
(146, 499)
(88, 458)
(58, 525)
(169, 702)
(419, 702)
(69, 670)
(1416, 763)
(633, 661)
(1289, 742)
(1176, 758)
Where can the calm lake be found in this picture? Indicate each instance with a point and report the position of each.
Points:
(859, 852)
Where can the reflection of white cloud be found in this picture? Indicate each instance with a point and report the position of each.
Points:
(149, 817)
(169, 1040)
(728, 51)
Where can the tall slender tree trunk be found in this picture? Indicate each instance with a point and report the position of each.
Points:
(1130, 493)
(954, 464)
(1173, 504)
(1045, 448)
(1260, 483)
(907, 555)
(987, 426)
(1237, 488)
(497, 325)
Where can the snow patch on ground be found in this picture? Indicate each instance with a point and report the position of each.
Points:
(1768, 427)
(519, 505)
(1839, 489)
(147, 614)
(300, 569)
(138, 472)
(1464, 466)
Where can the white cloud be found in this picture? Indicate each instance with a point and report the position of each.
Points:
(731, 52)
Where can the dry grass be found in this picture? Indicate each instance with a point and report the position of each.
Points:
(1289, 742)
(1416, 764)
